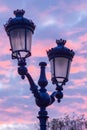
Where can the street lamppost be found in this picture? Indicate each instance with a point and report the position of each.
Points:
(19, 31)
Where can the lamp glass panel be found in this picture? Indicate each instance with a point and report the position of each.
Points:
(52, 68)
(61, 68)
(29, 40)
(18, 39)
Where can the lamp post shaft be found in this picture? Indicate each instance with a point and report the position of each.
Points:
(43, 118)
(43, 83)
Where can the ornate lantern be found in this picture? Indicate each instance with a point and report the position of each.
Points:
(60, 59)
(20, 30)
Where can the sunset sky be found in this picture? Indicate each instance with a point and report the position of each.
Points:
(54, 19)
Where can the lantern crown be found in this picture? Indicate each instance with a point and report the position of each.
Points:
(60, 51)
(19, 22)
(19, 13)
(61, 42)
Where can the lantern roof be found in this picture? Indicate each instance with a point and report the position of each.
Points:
(60, 51)
(19, 22)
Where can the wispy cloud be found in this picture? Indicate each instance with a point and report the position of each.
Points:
(3, 8)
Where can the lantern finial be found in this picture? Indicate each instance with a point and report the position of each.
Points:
(61, 42)
(19, 13)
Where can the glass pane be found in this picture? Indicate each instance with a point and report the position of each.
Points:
(69, 65)
(18, 39)
(21, 54)
(60, 80)
(61, 65)
(29, 40)
(52, 69)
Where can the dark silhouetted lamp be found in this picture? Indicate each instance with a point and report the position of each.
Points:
(20, 30)
(60, 59)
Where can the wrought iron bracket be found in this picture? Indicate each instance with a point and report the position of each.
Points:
(42, 98)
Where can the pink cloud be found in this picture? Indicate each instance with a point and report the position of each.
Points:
(74, 31)
(61, 110)
(22, 118)
(79, 107)
(79, 7)
(48, 75)
(40, 47)
(78, 83)
(78, 64)
(76, 45)
(8, 71)
(34, 71)
(4, 45)
(75, 107)
(3, 8)
(74, 6)
(5, 66)
(83, 38)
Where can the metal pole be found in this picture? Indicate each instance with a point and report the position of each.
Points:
(43, 118)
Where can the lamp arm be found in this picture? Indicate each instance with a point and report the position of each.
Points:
(57, 94)
(33, 86)
(52, 97)
(22, 70)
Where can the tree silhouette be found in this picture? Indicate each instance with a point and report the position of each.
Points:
(68, 123)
